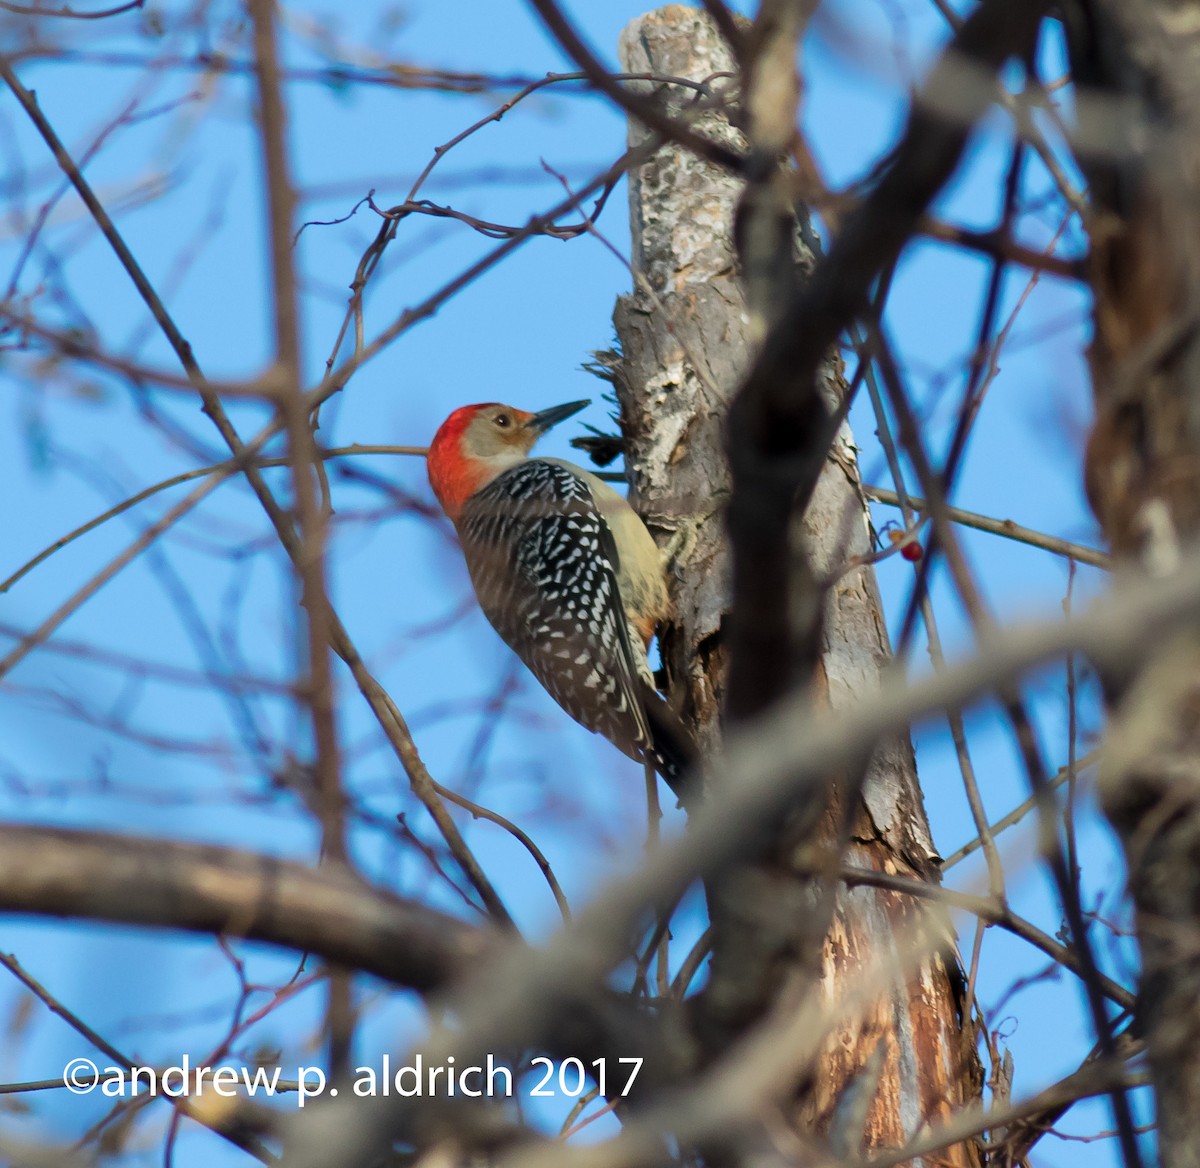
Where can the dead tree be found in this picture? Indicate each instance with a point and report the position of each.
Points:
(688, 333)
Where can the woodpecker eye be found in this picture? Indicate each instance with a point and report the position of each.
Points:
(503, 421)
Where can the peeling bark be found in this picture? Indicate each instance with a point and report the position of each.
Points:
(686, 343)
(684, 338)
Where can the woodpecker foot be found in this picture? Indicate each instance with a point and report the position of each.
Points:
(679, 546)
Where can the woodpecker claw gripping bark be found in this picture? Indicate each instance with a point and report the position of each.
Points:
(565, 571)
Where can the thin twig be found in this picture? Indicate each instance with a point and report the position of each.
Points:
(174, 481)
(316, 681)
(522, 837)
(993, 912)
(88, 589)
(646, 111)
(1019, 812)
(1003, 527)
(67, 11)
(239, 1139)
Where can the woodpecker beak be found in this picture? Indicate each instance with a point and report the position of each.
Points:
(541, 422)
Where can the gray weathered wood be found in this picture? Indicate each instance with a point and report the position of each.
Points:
(686, 336)
(683, 335)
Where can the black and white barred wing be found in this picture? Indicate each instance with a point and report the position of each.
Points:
(543, 565)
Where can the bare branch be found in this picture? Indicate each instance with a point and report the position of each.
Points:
(1004, 527)
(647, 111)
(66, 10)
(325, 911)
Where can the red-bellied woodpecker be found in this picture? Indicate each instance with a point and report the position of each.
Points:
(565, 571)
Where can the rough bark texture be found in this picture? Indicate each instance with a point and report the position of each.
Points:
(685, 344)
(1141, 150)
(682, 359)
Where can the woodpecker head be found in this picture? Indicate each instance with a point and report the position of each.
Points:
(476, 443)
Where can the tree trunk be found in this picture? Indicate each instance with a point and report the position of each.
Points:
(1141, 134)
(686, 337)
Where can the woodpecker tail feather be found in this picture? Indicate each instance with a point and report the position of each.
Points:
(673, 751)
